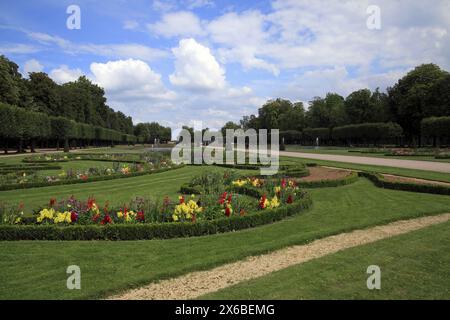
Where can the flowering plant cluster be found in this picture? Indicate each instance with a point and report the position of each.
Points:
(186, 211)
(255, 182)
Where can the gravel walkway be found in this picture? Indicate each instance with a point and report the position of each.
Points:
(195, 284)
(399, 163)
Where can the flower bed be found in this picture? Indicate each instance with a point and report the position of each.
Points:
(146, 219)
(35, 181)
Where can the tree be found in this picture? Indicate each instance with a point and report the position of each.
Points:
(269, 114)
(9, 81)
(326, 112)
(293, 119)
(409, 97)
(44, 93)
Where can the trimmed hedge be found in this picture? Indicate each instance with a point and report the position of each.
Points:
(90, 179)
(380, 182)
(368, 131)
(436, 127)
(151, 230)
(19, 124)
(351, 178)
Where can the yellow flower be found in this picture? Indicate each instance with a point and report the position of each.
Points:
(119, 214)
(18, 220)
(277, 189)
(239, 183)
(175, 217)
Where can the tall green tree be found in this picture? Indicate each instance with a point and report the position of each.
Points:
(408, 98)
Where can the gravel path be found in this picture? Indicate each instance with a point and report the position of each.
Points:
(195, 284)
(399, 163)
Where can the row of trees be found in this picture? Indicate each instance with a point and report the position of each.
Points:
(150, 132)
(80, 100)
(22, 128)
(422, 93)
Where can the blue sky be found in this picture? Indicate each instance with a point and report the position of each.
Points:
(178, 62)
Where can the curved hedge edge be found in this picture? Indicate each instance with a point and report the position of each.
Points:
(94, 179)
(351, 178)
(151, 231)
(99, 160)
(380, 182)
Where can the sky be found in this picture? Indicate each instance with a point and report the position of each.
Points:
(179, 62)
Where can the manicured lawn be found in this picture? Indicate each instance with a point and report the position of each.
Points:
(36, 269)
(431, 175)
(413, 266)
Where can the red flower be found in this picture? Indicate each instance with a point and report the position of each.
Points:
(140, 216)
(90, 203)
(283, 183)
(73, 216)
(262, 202)
(52, 202)
(227, 211)
(95, 217)
(230, 197)
(107, 219)
(181, 199)
(289, 199)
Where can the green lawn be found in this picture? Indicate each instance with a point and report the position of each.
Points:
(413, 266)
(117, 191)
(36, 269)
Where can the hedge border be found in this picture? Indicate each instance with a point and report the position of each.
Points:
(380, 182)
(152, 230)
(75, 181)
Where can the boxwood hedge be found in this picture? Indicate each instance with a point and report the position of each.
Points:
(379, 181)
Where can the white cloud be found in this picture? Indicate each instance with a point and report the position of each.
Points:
(196, 68)
(32, 65)
(192, 4)
(64, 74)
(130, 79)
(120, 51)
(177, 24)
(18, 48)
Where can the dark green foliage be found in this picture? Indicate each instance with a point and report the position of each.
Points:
(367, 132)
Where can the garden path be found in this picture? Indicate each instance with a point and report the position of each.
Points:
(198, 283)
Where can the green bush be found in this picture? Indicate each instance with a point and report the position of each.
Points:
(151, 230)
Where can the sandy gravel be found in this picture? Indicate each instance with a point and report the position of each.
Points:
(325, 173)
(399, 163)
(195, 284)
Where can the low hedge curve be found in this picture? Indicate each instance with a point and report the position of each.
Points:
(153, 230)
(351, 178)
(380, 182)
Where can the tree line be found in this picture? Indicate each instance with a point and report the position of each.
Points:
(399, 115)
(80, 106)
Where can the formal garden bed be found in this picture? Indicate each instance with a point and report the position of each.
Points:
(27, 175)
(219, 206)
